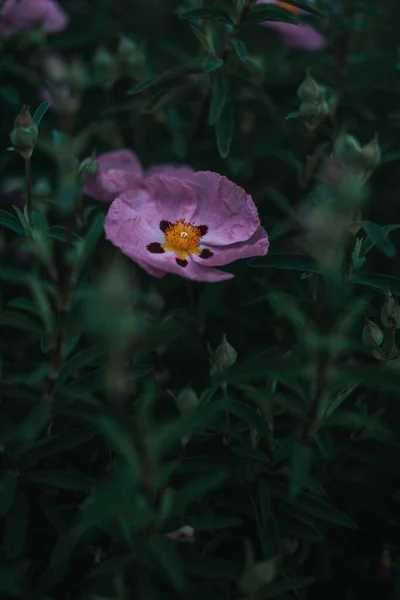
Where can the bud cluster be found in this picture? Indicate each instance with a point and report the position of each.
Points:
(317, 102)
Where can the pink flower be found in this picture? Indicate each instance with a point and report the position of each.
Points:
(303, 36)
(186, 226)
(184, 535)
(121, 170)
(18, 15)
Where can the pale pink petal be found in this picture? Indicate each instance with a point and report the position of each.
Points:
(257, 245)
(302, 36)
(100, 188)
(228, 211)
(115, 182)
(162, 198)
(179, 171)
(19, 15)
(131, 233)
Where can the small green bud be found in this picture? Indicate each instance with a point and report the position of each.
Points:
(225, 355)
(371, 153)
(78, 76)
(309, 90)
(372, 335)
(104, 65)
(187, 400)
(88, 168)
(25, 133)
(390, 312)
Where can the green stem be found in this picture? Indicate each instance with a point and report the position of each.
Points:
(28, 178)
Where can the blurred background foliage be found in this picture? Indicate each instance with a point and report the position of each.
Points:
(260, 414)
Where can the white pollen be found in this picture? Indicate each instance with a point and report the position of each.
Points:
(184, 234)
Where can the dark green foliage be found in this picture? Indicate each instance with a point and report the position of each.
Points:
(272, 456)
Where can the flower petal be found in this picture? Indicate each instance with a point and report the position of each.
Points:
(132, 234)
(162, 198)
(178, 171)
(227, 210)
(302, 36)
(126, 167)
(27, 14)
(257, 245)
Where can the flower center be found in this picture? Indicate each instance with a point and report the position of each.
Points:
(289, 7)
(182, 238)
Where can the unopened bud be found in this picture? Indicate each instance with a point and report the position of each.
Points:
(154, 300)
(187, 400)
(88, 168)
(25, 133)
(309, 90)
(346, 148)
(372, 335)
(225, 355)
(104, 65)
(371, 153)
(78, 76)
(390, 312)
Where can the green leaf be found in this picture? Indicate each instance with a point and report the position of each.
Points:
(195, 490)
(359, 421)
(248, 414)
(306, 6)
(368, 243)
(208, 12)
(21, 322)
(378, 237)
(77, 361)
(43, 304)
(218, 98)
(85, 248)
(9, 94)
(170, 560)
(16, 524)
(293, 525)
(8, 486)
(321, 510)
(202, 38)
(165, 98)
(224, 129)
(212, 567)
(11, 222)
(166, 77)
(40, 112)
(13, 579)
(212, 64)
(277, 588)
(301, 462)
(240, 49)
(268, 12)
(213, 523)
(340, 397)
(65, 480)
(59, 443)
(377, 280)
(292, 262)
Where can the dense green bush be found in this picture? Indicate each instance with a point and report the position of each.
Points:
(172, 438)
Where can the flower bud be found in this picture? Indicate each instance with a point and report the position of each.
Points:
(346, 148)
(104, 65)
(372, 335)
(371, 153)
(309, 90)
(25, 133)
(129, 53)
(88, 168)
(184, 535)
(390, 312)
(187, 400)
(78, 76)
(225, 355)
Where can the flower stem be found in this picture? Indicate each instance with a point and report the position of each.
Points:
(28, 178)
